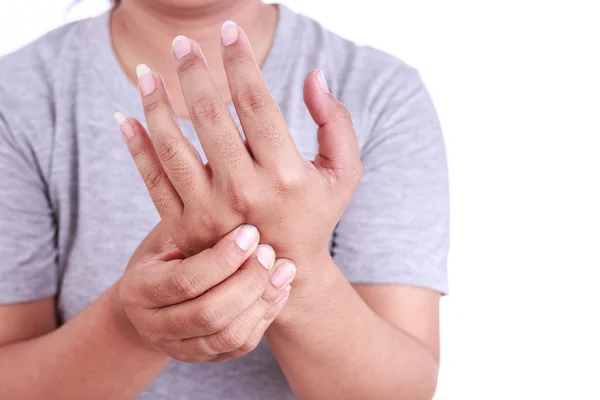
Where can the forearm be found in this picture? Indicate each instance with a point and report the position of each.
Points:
(330, 344)
(96, 355)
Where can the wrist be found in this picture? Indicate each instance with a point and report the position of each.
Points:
(314, 283)
(312, 266)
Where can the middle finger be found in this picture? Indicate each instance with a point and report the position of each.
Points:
(218, 134)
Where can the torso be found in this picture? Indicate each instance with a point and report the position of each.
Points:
(102, 209)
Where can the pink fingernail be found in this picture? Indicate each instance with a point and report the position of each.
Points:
(283, 294)
(322, 82)
(229, 33)
(145, 79)
(126, 127)
(246, 236)
(182, 46)
(283, 274)
(265, 255)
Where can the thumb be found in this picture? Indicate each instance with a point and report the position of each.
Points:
(338, 147)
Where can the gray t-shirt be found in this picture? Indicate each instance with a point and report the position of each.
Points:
(73, 207)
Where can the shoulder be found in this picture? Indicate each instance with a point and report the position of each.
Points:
(31, 76)
(369, 81)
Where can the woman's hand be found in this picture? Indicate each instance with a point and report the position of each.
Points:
(294, 203)
(212, 306)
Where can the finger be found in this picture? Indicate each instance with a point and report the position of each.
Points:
(179, 158)
(224, 303)
(258, 333)
(338, 146)
(262, 121)
(163, 194)
(218, 134)
(163, 284)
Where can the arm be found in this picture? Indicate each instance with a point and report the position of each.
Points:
(96, 355)
(380, 340)
(268, 184)
(213, 306)
(331, 344)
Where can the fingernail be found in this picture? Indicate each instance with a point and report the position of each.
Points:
(322, 83)
(145, 79)
(126, 127)
(229, 33)
(182, 46)
(246, 236)
(265, 255)
(283, 294)
(283, 274)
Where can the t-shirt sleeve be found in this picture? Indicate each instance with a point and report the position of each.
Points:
(395, 229)
(28, 268)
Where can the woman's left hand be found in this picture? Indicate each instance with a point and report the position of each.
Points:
(294, 203)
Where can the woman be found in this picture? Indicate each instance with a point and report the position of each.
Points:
(340, 298)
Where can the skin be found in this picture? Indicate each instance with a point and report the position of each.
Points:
(160, 309)
(332, 339)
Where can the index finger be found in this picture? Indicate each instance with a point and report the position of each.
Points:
(184, 280)
(264, 126)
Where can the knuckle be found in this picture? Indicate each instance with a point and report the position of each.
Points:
(250, 98)
(271, 314)
(343, 113)
(188, 63)
(168, 147)
(208, 317)
(229, 263)
(232, 338)
(240, 202)
(206, 111)
(151, 106)
(152, 174)
(138, 152)
(287, 184)
(249, 345)
(175, 323)
(236, 59)
(186, 284)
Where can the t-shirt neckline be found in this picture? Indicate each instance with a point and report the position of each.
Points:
(103, 59)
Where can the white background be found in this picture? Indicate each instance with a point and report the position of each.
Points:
(517, 87)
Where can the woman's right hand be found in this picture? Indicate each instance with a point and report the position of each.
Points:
(212, 306)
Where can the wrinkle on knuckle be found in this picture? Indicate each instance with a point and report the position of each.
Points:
(287, 184)
(250, 99)
(232, 338)
(237, 59)
(208, 316)
(175, 323)
(186, 284)
(188, 63)
(153, 175)
(249, 346)
(207, 112)
(342, 113)
(168, 147)
(270, 314)
(151, 106)
(240, 202)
